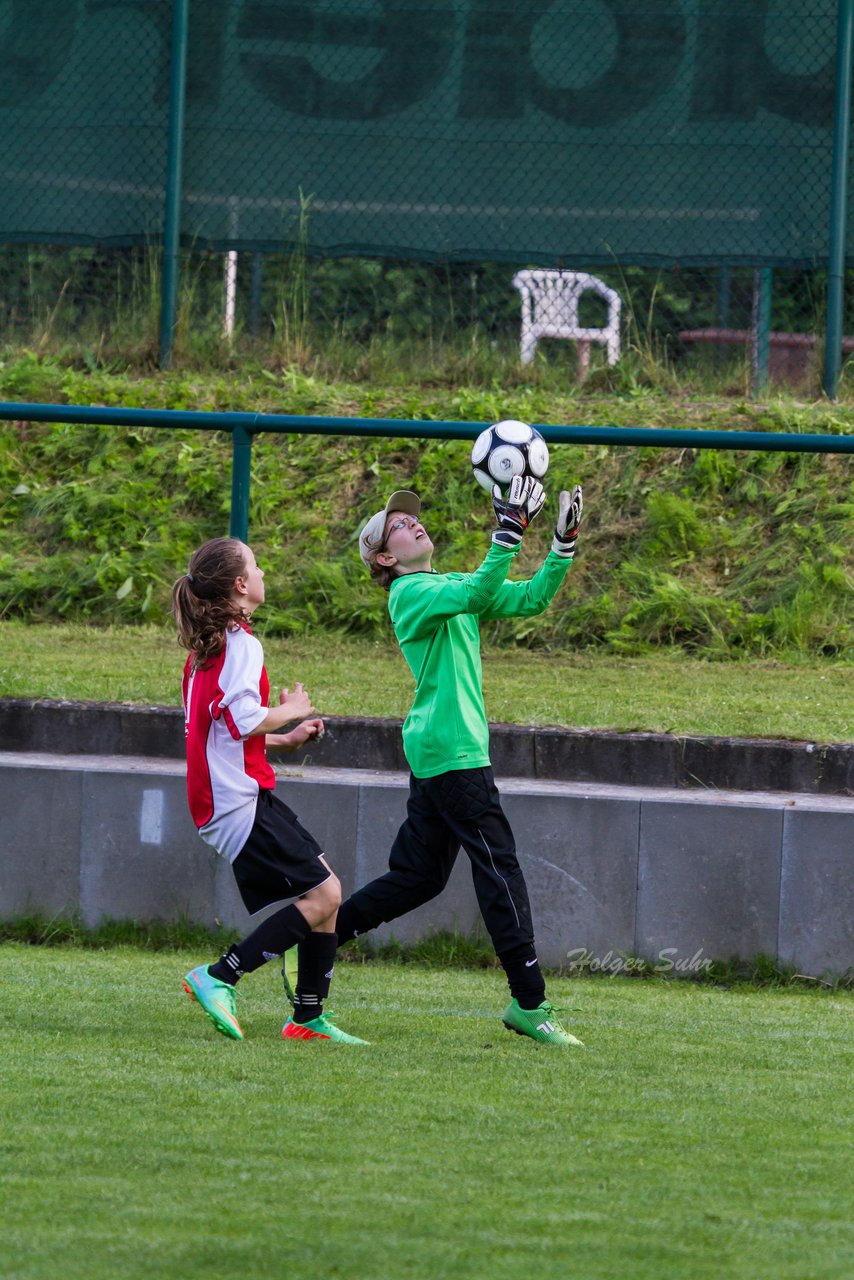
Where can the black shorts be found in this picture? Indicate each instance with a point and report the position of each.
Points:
(280, 858)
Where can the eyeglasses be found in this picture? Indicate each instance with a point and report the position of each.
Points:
(408, 522)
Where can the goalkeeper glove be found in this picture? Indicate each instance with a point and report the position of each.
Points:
(515, 512)
(568, 520)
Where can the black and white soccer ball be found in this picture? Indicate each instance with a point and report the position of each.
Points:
(508, 449)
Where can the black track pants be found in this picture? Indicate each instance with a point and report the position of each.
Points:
(457, 809)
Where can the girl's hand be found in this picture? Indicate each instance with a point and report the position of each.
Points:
(298, 703)
(292, 706)
(305, 731)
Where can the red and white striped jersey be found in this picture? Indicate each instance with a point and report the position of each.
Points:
(223, 702)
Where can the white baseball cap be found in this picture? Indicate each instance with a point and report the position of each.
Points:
(372, 536)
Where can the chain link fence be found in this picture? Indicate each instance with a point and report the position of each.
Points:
(382, 171)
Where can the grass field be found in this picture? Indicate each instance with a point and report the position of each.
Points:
(346, 675)
(701, 1133)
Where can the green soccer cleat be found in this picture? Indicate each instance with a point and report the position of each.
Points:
(217, 999)
(290, 968)
(322, 1028)
(541, 1024)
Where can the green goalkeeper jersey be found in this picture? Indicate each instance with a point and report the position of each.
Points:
(436, 620)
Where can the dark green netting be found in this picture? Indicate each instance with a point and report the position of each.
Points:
(632, 131)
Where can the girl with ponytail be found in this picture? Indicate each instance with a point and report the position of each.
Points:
(229, 726)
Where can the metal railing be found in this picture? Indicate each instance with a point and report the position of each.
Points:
(244, 426)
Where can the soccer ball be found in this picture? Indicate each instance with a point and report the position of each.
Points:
(508, 449)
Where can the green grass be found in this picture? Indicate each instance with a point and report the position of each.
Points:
(354, 676)
(700, 1134)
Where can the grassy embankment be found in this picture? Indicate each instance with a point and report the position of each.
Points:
(688, 559)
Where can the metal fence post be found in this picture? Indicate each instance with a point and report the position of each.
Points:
(760, 328)
(724, 283)
(174, 176)
(241, 459)
(255, 305)
(838, 201)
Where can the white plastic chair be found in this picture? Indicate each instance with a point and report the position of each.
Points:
(550, 310)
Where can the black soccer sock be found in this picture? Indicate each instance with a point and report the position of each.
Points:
(316, 961)
(524, 975)
(350, 923)
(269, 940)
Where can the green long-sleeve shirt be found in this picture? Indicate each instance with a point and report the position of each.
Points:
(436, 620)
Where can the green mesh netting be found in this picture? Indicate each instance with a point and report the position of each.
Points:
(637, 131)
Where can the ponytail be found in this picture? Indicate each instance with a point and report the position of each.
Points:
(202, 603)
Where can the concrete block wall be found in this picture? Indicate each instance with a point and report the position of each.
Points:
(675, 877)
(569, 755)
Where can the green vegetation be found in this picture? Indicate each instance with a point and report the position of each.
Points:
(709, 1127)
(720, 554)
(101, 307)
(351, 675)
(151, 935)
(443, 949)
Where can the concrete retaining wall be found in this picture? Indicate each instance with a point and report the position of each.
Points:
(570, 755)
(675, 877)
